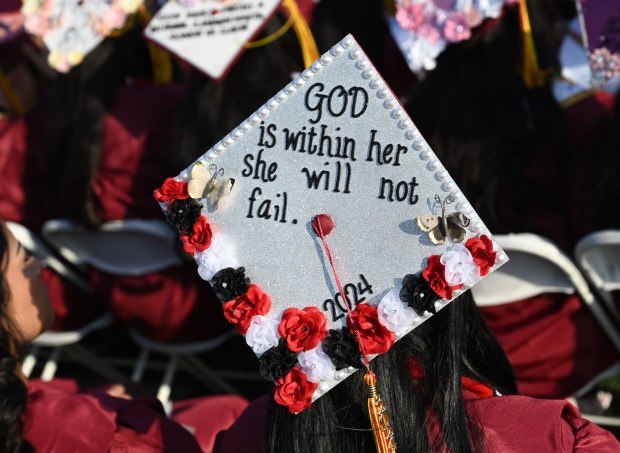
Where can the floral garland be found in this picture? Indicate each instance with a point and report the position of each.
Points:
(297, 350)
(44, 18)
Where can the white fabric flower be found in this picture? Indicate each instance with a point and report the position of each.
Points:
(316, 365)
(396, 316)
(460, 266)
(421, 54)
(262, 334)
(218, 256)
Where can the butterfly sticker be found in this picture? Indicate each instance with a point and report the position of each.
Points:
(209, 182)
(440, 227)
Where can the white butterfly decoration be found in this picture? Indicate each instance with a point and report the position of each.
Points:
(439, 228)
(209, 181)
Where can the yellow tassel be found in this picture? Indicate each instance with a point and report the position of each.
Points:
(389, 6)
(14, 100)
(533, 76)
(381, 429)
(270, 38)
(309, 50)
(160, 59)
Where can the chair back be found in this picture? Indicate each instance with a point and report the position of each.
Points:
(39, 249)
(536, 266)
(120, 247)
(598, 256)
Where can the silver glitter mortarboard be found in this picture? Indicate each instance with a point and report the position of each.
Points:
(334, 141)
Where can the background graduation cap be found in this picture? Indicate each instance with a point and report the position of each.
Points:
(211, 35)
(348, 229)
(600, 34)
(424, 28)
(70, 29)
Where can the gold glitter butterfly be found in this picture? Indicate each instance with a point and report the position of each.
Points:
(440, 227)
(209, 182)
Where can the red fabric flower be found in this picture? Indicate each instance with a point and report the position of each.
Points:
(240, 311)
(171, 190)
(481, 250)
(375, 338)
(303, 329)
(435, 276)
(200, 239)
(294, 391)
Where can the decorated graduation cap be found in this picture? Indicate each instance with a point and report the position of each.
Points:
(328, 229)
(600, 34)
(212, 34)
(70, 29)
(424, 28)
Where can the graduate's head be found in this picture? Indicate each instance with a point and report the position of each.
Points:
(452, 344)
(24, 313)
(25, 309)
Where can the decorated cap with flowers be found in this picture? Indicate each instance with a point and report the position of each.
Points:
(600, 33)
(70, 29)
(327, 226)
(423, 28)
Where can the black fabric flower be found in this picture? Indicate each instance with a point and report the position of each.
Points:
(417, 293)
(230, 283)
(183, 214)
(342, 348)
(277, 361)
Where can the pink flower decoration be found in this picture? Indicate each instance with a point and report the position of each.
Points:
(62, 64)
(37, 24)
(456, 27)
(604, 64)
(410, 17)
(446, 5)
(430, 33)
(113, 18)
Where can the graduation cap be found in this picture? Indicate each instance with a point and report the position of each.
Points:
(209, 34)
(600, 33)
(328, 228)
(70, 29)
(424, 28)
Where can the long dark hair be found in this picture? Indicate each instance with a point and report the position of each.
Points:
(599, 183)
(452, 344)
(487, 127)
(13, 391)
(73, 112)
(332, 20)
(212, 109)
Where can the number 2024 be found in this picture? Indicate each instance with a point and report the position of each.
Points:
(353, 295)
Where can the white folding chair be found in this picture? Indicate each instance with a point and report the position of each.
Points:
(538, 266)
(133, 248)
(60, 341)
(598, 256)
